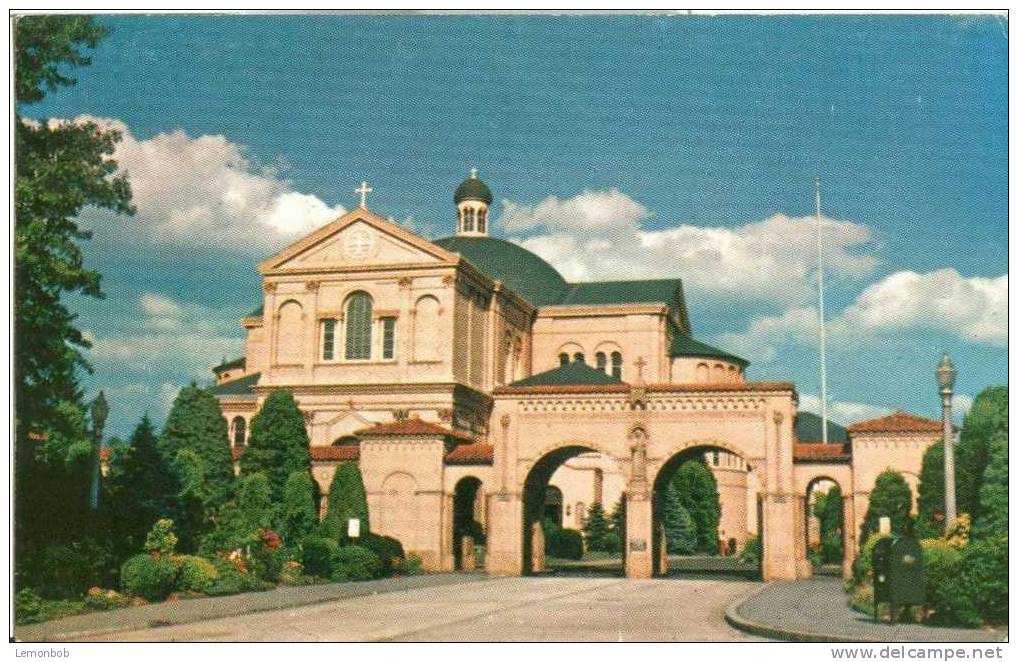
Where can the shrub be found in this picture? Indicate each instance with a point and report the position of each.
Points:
(231, 580)
(388, 549)
(597, 528)
(100, 599)
(298, 515)
(317, 556)
(891, 497)
(355, 563)
(148, 577)
(195, 573)
(161, 541)
(750, 553)
(566, 544)
(949, 597)
(861, 599)
(292, 574)
(278, 445)
(862, 567)
(985, 571)
(265, 558)
(347, 500)
(411, 565)
(28, 607)
(68, 570)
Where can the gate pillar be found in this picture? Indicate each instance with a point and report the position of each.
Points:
(503, 555)
(639, 549)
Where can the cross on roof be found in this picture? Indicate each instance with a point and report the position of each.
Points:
(364, 190)
(473, 173)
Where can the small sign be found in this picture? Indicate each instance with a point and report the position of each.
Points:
(353, 528)
(638, 545)
(885, 525)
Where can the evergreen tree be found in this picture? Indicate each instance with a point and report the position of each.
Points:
(829, 510)
(597, 529)
(347, 500)
(298, 515)
(140, 489)
(192, 510)
(698, 493)
(987, 415)
(680, 530)
(196, 423)
(930, 500)
(618, 520)
(891, 497)
(254, 498)
(993, 493)
(278, 445)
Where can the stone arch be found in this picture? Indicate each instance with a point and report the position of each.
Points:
(467, 498)
(290, 333)
(812, 524)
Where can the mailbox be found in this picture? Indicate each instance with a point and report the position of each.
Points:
(898, 573)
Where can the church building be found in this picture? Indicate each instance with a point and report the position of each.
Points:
(480, 392)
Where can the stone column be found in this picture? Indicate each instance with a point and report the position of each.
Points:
(848, 534)
(537, 563)
(503, 555)
(639, 550)
(467, 561)
(778, 543)
(804, 569)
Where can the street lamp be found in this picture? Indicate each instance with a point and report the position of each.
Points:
(100, 410)
(945, 379)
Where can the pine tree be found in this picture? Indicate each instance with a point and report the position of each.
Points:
(987, 415)
(993, 494)
(698, 492)
(196, 423)
(347, 500)
(680, 530)
(829, 509)
(298, 515)
(930, 500)
(278, 445)
(891, 497)
(597, 528)
(254, 498)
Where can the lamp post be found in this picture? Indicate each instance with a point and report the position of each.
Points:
(945, 379)
(100, 410)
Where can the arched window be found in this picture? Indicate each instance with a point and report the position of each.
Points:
(563, 359)
(358, 326)
(617, 365)
(602, 361)
(578, 357)
(468, 225)
(328, 340)
(482, 219)
(239, 431)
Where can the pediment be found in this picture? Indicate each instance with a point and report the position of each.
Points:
(356, 240)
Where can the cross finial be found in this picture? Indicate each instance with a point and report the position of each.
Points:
(640, 363)
(364, 190)
(473, 173)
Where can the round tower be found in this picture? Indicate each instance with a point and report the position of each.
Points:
(472, 199)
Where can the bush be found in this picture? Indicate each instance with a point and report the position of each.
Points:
(100, 599)
(388, 549)
(317, 556)
(195, 573)
(28, 607)
(566, 544)
(949, 597)
(161, 541)
(67, 571)
(862, 567)
(355, 563)
(985, 571)
(750, 553)
(231, 580)
(411, 565)
(147, 576)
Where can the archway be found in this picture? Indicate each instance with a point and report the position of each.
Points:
(465, 522)
(825, 525)
(547, 530)
(701, 514)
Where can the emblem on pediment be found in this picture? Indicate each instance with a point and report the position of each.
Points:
(359, 244)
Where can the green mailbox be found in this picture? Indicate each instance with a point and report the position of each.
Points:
(898, 573)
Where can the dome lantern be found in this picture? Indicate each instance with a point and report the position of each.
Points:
(472, 198)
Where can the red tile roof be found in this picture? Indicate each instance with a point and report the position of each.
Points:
(318, 453)
(471, 454)
(899, 421)
(821, 452)
(411, 427)
(651, 388)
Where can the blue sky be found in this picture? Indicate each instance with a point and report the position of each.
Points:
(615, 145)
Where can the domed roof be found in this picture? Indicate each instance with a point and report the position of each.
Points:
(522, 272)
(472, 188)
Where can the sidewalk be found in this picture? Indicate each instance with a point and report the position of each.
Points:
(817, 610)
(202, 609)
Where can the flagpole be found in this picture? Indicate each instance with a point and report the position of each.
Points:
(823, 332)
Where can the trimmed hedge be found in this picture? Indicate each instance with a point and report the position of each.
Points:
(149, 577)
(195, 573)
(355, 563)
(317, 555)
(565, 544)
(388, 549)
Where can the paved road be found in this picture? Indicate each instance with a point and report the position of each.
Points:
(509, 609)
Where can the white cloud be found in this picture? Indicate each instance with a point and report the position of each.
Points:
(203, 192)
(597, 235)
(843, 412)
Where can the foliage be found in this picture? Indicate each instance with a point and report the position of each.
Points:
(147, 576)
(265, 557)
(190, 506)
(102, 599)
(298, 516)
(196, 423)
(985, 570)
(254, 499)
(698, 493)
(958, 534)
(993, 493)
(829, 510)
(750, 553)
(66, 570)
(230, 532)
(565, 544)
(347, 500)
(680, 530)
(473, 529)
(161, 541)
(986, 417)
(46, 46)
(618, 520)
(948, 598)
(195, 573)
(411, 565)
(317, 554)
(891, 497)
(597, 529)
(28, 607)
(388, 549)
(355, 563)
(862, 567)
(232, 580)
(930, 500)
(278, 445)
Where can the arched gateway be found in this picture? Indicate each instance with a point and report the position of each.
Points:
(460, 373)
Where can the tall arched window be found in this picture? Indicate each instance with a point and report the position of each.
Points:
(239, 431)
(602, 361)
(617, 365)
(358, 326)
(482, 219)
(563, 359)
(468, 225)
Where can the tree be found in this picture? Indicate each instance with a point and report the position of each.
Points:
(829, 510)
(930, 500)
(891, 497)
(993, 493)
(60, 168)
(987, 415)
(597, 529)
(196, 423)
(140, 490)
(278, 445)
(254, 498)
(347, 500)
(698, 493)
(680, 529)
(298, 515)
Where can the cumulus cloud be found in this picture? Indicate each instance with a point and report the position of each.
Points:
(203, 191)
(598, 235)
(841, 411)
